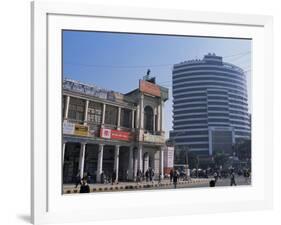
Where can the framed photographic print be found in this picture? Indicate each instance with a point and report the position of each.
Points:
(149, 112)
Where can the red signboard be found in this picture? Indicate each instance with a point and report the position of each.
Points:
(150, 88)
(116, 134)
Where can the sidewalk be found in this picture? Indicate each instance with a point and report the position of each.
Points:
(70, 188)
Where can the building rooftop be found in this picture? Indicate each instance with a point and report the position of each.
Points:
(211, 58)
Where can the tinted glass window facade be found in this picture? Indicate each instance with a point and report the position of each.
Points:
(209, 93)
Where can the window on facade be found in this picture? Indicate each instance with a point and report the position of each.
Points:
(126, 118)
(111, 113)
(148, 118)
(76, 109)
(95, 112)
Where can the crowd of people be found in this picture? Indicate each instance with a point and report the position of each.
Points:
(232, 176)
(149, 176)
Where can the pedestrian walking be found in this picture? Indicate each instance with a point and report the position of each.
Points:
(102, 180)
(171, 175)
(84, 188)
(77, 179)
(160, 178)
(113, 177)
(146, 175)
(212, 183)
(139, 175)
(247, 176)
(151, 175)
(88, 177)
(127, 175)
(216, 176)
(232, 179)
(175, 178)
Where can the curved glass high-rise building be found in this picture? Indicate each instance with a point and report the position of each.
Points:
(210, 105)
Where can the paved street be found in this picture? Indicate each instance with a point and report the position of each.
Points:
(240, 180)
(165, 184)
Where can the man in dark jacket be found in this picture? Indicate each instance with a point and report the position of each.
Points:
(232, 179)
(175, 178)
(85, 188)
(171, 175)
(113, 177)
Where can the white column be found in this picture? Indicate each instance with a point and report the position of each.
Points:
(162, 122)
(82, 159)
(119, 118)
(86, 112)
(161, 169)
(66, 107)
(146, 162)
(141, 112)
(162, 129)
(135, 164)
(159, 117)
(63, 151)
(133, 119)
(138, 117)
(140, 158)
(116, 161)
(131, 163)
(103, 114)
(99, 166)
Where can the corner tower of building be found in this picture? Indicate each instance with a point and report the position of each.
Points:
(210, 105)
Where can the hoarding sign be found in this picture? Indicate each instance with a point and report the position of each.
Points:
(149, 88)
(68, 128)
(153, 138)
(116, 134)
(122, 135)
(81, 130)
(105, 133)
(88, 89)
(170, 157)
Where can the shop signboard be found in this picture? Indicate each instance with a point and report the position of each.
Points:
(105, 133)
(81, 130)
(86, 89)
(68, 128)
(169, 157)
(116, 134)
(149, 88)
(153, 138)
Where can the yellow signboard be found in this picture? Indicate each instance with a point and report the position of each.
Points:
(81, 130)
(153, 138)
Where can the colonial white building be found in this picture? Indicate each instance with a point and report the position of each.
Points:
(106, 131)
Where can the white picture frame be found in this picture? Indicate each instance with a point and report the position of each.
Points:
(47, 203)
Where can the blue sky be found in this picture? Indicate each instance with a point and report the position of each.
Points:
(117, 61)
